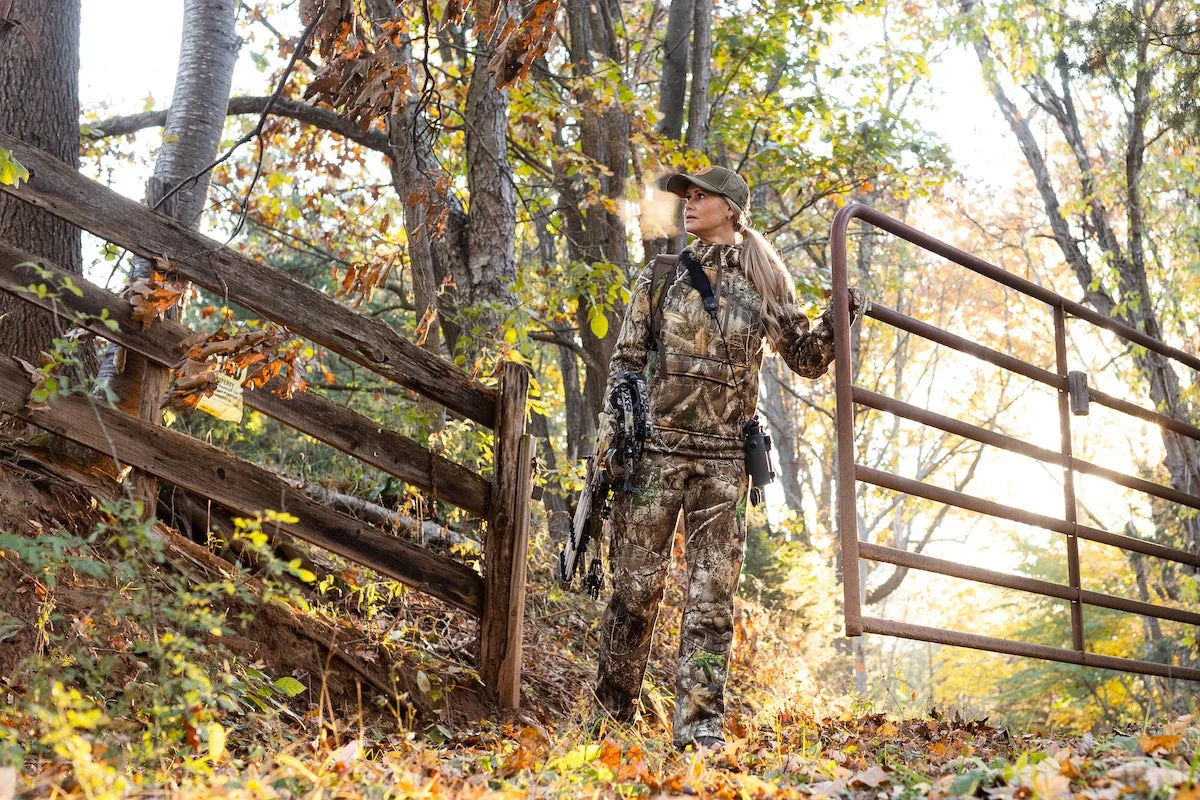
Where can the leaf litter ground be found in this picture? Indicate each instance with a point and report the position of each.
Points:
(442, 741)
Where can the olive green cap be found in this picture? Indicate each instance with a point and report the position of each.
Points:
(719, 180)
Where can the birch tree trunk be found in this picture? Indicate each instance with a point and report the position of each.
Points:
(39, 104)
(179, 185)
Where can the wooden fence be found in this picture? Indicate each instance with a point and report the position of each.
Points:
(497, 598)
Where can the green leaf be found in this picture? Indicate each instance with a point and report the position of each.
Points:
(423, 682)
(967, 783)
(290, 686)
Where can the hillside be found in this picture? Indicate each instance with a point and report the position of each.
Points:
(139, 663)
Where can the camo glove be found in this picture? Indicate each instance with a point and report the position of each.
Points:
(859, 305)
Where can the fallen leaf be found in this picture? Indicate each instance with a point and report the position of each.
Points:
(1155, 744)
(1047, 785)
(1130, 772)
(345, 756)
(1158, 777)
(870, 778)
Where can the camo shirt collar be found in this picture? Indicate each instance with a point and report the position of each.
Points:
(721, 256)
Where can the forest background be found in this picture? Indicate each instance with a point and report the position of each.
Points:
(1056, 140)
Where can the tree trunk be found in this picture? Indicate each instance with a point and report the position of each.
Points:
(697, 132)
(414, 170)
(39, 104)
(179, 186)
(492, 221)
(672, 86)
(604, 138)
(672, 94)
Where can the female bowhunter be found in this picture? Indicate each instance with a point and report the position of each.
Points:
(703, 393)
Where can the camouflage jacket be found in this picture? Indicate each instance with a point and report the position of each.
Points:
(703, 385)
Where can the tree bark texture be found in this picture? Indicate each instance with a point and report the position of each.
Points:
(39, 104)
(604, 139)
(492, 219)
(697, 132)
(432, 256)
(179, 186)
(672, 85)
(207, 54)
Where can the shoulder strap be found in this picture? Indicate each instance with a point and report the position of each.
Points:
(701, 283)
(663, 265)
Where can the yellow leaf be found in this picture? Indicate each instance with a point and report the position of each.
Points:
(599, 324)
(11, 170)
(583, 754)
(216, 741)
(755, 787)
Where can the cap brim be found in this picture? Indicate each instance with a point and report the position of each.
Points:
(678, 185)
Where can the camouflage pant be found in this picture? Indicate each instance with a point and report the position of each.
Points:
(712, 494)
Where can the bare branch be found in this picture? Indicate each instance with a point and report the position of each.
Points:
(323, 118)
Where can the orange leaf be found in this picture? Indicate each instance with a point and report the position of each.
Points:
(1153, 744)
(610, 754)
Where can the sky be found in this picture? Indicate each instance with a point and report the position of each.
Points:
(124, 76)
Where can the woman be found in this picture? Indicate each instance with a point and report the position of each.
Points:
(703, 389)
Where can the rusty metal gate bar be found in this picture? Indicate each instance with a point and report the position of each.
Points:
(849, 472)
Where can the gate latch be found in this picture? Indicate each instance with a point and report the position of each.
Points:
(1077, 392)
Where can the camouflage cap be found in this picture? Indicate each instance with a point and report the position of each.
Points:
(720, 180)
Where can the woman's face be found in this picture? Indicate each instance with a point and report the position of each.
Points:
(708, 216)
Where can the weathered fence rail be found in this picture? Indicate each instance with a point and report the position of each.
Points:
(497, 597)
(257, 287)
(850, 473)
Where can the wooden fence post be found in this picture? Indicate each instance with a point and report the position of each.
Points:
(506, 543)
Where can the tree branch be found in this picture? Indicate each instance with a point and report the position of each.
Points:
(1019, 123)
(322, 118)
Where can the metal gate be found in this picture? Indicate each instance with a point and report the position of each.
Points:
(1072, 390)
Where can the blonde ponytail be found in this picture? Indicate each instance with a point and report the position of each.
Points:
(765, 270)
